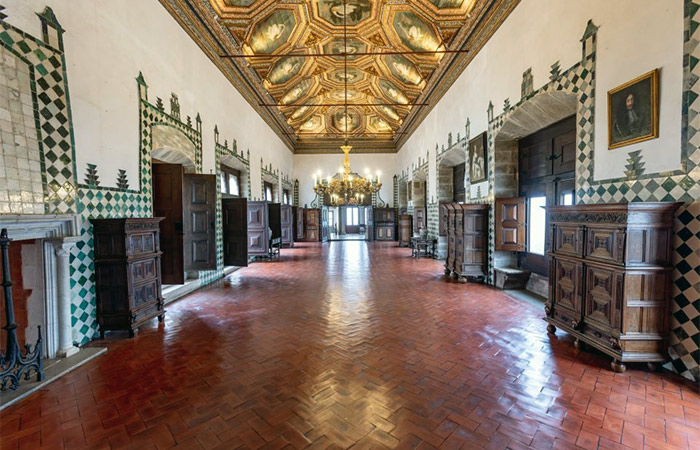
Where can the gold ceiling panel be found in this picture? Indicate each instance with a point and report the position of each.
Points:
(304, 98)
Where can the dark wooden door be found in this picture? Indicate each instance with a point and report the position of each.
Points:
(234, 213)
(274, 220)
(564, 152)
(258, 231)
(167, 203)
(510, 224)
(199, 205)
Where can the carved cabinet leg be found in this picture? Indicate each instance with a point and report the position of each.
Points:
(551, 329)
(618, 366)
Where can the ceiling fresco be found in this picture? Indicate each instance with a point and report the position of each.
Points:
(388, 91)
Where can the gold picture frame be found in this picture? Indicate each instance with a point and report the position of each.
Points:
(633, 111)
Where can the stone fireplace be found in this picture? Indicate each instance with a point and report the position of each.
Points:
(50, 299)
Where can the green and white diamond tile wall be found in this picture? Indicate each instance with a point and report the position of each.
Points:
(50, 98)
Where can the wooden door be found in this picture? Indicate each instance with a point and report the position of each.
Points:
(199, 207)
(287, 224)
(167, 203)
(258, 234)
(510, 224)
(234, 213)
(275, 219)
(368, 211)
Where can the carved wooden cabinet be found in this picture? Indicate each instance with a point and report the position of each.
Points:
(405, 230)
(609, 277)
(312, 225)
(384, 224)
(467, 239)
(127, 273)
(287, 225)
(298, 223)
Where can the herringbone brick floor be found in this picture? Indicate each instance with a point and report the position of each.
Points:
(353, 345)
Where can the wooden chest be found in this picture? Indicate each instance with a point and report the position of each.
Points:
(610, 277)
(127, 273)
(467, 239)
(385, 224)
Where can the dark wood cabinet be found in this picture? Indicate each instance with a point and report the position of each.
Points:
(467, 240)
(298, 214)
(312, 225)
(384, 224)
(127, 260)
(405, 230)
(610, 274)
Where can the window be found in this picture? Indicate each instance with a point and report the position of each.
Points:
(230, 181)
(285, 197)
(352, 216)
(537, 215)
(567, 199)
(268, 191)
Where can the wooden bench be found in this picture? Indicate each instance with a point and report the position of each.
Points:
(511, 277)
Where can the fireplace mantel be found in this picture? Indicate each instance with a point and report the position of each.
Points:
(57, 233)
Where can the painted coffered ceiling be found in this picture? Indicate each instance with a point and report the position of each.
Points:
(314, 102)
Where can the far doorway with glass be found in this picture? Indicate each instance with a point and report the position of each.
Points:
(350, 223)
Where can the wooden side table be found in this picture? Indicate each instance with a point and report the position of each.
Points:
(423, 247)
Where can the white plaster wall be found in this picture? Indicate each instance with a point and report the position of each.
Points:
(305, 166)
(634, 37)
(107, 43)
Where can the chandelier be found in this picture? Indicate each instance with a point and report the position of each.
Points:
(344, 188)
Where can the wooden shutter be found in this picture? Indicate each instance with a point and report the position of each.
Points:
(235, 231)
(510, 224)
(199, 207)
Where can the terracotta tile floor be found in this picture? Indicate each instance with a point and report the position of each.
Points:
(353, 345)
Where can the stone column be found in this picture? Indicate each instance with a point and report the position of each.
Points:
(63, 293)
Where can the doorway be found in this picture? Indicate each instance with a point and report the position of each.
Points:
(187, 203)
(350, 223)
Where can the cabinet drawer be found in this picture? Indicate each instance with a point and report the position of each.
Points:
(141, 243)
(604, 294)
(566, 317)
(145, 294)
(605, 244)
(143, 270)
(146, 313)
(603, 338)
(568, 240)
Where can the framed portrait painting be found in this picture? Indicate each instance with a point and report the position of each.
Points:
(477, 159)
(633, 111)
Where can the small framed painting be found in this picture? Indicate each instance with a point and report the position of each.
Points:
(477, 159)
(633, 111)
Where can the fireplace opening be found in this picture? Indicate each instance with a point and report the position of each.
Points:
(27, 274)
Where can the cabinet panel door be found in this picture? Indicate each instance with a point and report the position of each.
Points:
(604, 296)
(567, 284)
(568, 240)
(605, 244)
